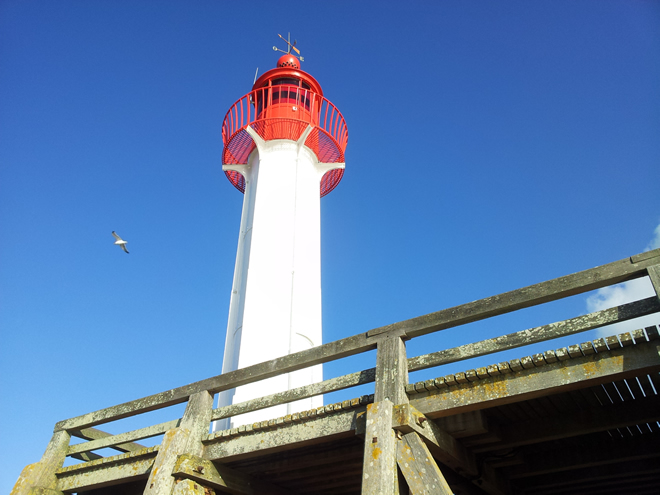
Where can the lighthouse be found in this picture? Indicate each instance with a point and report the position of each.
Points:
(284, 146)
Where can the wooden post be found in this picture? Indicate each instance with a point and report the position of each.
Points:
(391, 370)
(379, 472)
(40, 476)
(185, 439)
(654, 275)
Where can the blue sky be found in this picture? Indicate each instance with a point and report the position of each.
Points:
(492, 145)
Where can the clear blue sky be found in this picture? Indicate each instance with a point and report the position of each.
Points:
(492, 145)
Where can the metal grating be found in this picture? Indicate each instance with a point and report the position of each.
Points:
(285, 113)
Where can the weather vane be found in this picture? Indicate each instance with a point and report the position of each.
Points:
(290, 47)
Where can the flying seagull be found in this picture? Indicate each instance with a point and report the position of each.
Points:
(120, 242)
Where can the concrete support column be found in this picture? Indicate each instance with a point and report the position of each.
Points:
(185, 439)
(40, 476)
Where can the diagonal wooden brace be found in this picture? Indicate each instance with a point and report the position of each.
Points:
(419, 468)
(222, 478)
(443, 446)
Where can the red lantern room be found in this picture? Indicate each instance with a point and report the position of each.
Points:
(283, 103)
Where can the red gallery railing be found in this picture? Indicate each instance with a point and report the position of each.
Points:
(285, 112)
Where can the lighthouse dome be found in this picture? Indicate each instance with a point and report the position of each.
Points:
(288, 60)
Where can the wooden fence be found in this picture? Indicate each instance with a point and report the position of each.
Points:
(184, 436)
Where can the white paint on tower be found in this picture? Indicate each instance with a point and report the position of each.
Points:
(275, 306)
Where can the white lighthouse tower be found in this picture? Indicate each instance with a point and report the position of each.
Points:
(284, 148)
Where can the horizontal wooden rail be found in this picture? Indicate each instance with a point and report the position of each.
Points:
(552, 290)
(538, 334)
(292, 362)
(612, 273)
(94, 434)
(122, 438)
(324, 387)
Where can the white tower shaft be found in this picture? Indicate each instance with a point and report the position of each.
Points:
(275, 306)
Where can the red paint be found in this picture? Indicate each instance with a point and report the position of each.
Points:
(281, 105)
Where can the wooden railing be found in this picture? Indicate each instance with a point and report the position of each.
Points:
(390, 373)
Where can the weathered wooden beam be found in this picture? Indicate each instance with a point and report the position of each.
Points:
(302, 460)
(583, 323)
(552, 290)
(122, 438)
(188, 487)
(324, 387)
(292, 362)
(107, 471)
(625, 475)
(574, 423)
(96, 434)
(443, 446)
(464, 425)
(185, 439)
(418, 467)
(446, 448)
(41, 475)
(250, 443)
(654, 276)
(204, 472)
(601, 276)
(86, 456)
(391, 370)
(565, 375)
(566, 463)
(379, 471)
(339, 483)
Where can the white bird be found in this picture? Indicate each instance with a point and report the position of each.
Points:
(120, 242)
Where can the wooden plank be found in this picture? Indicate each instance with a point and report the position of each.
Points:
(568, 465)
(310, 459)
(552, 290)
(419, 468)
(185, 439)
(108, 470)
(444, 447)
(220, 477)
(622, 387)
(391, 371)
(292, 362)
(464, 425)
(123, 438)
(572, 424)
(538, 334)
(95, 434)
(331, 385)
(379, 472)
(654, 276)
(188, 487)
(340, 424)
(86, 456)
(551, 378)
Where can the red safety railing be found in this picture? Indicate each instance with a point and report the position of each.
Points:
(284, 112)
